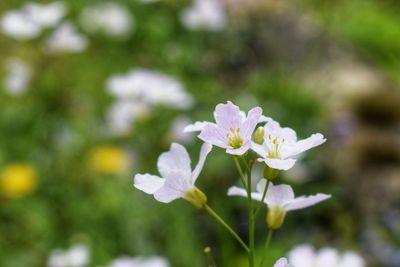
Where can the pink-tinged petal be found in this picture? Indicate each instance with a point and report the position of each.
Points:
(214, 135)
(251, 122)
(237, 191)
(280, 164)
(205, 150)
(279, 194)
(282, 262)
(261, 185)
(228, 116)
(264, 119)
(327, 257)
(148, 183)
(303, 256)
(350, 259)
(304, 202)
(241, 150)
(274, 129)
(196, 127)
(306, 144)
(259, 149)
(175, 162)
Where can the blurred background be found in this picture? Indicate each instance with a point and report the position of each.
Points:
(93, 91)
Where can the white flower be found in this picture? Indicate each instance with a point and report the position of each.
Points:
(66, 39)
(45, 15)
(108, 18)
(282, 262)
(139, 262)
(306, 256)
(280, 199)
(122, 114)
(77, 256)
(19, 75)
(151, 87)
(177, 178)
(280, 145)
(204, 14)
(18, 25)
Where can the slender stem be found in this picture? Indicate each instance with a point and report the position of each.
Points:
(210, 257)
(267, 242)
(227, 227)
(262, 199)
(239, 168)
(251, 212)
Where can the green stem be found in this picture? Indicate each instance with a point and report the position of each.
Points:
(239, 168)
(262, 199)
(251, 213)
(210, 257)
(226, 226)
(267, 242)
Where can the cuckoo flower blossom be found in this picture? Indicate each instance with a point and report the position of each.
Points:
(281, 144)
(233, 130)
(282, 262)
(280, 199)
(177, 178)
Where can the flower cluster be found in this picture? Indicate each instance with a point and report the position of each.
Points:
(137, 92)
(236, 132)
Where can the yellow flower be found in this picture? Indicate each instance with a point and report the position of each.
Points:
(17, 180)
(109, 160)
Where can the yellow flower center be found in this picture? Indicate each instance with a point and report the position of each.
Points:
(275, 154)
(234, 139)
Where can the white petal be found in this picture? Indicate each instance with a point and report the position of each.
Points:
(213, 134)
(175, 163)
(350, 259)
(259, 149)
(282, 262)
(196, 127)
(306, 144)
(228, 116)
(169, 192)
(327, 257)
(237, 191)
(302, 256)
(264, 119)
(205, 150)
(280, 164)
(261, 185)
(303, 202)
(251, 122)
(148, 183)
(279, 194)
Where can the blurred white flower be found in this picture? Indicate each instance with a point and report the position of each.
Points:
(139, 262)
(77, 256)
(204, 14)
(45, 15)
(282, 262)
(108, 18)
(18, 25)
(306, 256)
(177, 127)
(66, 39)
(19, 74)
(122, 114)
(152, 87)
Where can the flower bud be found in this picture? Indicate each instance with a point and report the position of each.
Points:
(259, 135)
(269, 173)
(275, 217)
(196, 197)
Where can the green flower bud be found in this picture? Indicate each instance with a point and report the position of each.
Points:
(269, 173)
(275, 217)
(196, 197)
(259, 135)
